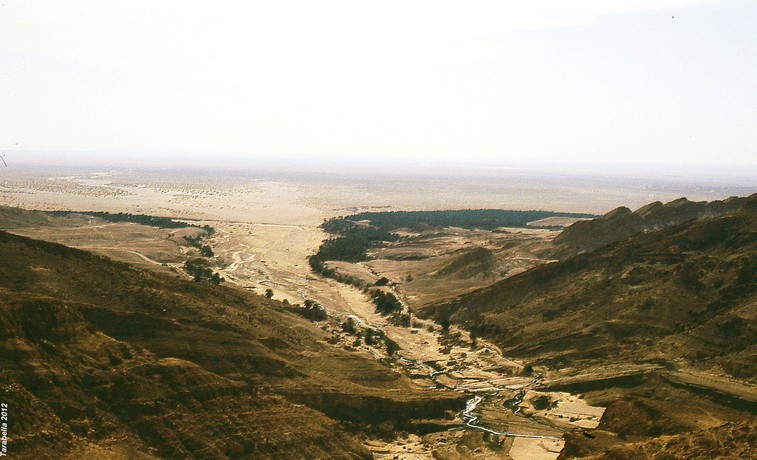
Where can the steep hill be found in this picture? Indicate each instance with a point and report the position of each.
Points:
(101, 359)
(733, 440)
(622, 223)
(12, 218)
(685, 292)
(658, 327)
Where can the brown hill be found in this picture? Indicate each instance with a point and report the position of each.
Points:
(735, 440)
(101, 359)
(683, 292)
(476, 262)
(658, 327)
(621, 223)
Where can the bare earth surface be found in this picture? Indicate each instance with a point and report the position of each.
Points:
(265, 229)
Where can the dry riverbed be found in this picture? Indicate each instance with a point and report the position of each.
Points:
(263, 256)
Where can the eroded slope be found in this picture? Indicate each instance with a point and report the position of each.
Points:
(684, 292)
(658, 328)
(622, 223)
(99, 355)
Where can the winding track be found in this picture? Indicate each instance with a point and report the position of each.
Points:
(471, 419)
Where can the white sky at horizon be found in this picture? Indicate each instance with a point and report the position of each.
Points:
(481, 83)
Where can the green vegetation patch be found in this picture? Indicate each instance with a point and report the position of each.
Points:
(485, 219)
(351, 244)
(152, 221)
(200, 271)
(386, 302)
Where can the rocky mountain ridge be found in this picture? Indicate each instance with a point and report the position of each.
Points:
(621, 223)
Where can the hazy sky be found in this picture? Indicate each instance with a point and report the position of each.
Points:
(483, 82)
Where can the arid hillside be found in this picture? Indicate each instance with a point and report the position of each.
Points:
(622, 223)
(685, 292)
(658, 327)
(100, 359)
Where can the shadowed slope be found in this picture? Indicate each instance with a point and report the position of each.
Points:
(95, 354)
(478, 261)
(683, 292)
(621, 223)
(658, 327)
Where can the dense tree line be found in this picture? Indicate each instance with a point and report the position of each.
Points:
(319, 267)
(351, 245)
(152, 221)
(487, 219)
(337, 225)
(353, 238)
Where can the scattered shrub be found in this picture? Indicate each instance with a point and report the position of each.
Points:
(386, 302)
(349, 326)
(383, 281)
(541, 402)
(391, 347)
